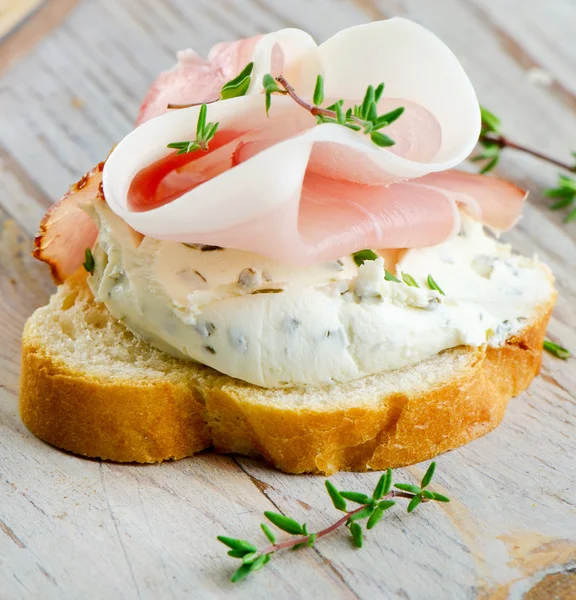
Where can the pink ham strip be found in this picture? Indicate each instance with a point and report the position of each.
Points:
(495, 202)
(331, 218)
(66, 230)
(194, 80)
(335, 218)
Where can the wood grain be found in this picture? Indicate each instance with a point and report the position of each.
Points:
(13, 12)
(73, 528)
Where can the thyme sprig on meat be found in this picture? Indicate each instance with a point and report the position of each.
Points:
(371, 509)
(361, 117)
(205, 132)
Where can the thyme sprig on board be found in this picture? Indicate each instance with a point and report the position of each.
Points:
(361, 117)
(565, 196)
(493, 141)
(371, 509)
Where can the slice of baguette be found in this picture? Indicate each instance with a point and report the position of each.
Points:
(89, 386)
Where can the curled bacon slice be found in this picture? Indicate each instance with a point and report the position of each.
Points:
(66, 230)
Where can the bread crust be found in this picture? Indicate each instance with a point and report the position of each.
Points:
(166, 418)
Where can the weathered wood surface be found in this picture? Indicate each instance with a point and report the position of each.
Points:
(74, 528)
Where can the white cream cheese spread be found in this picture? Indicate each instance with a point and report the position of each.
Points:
(275, 325)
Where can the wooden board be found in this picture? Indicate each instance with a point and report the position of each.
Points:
(14, 12)
(75, 528)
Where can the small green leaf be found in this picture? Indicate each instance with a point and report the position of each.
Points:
(362, 514)
(378, 92)
(362, 256)
(299, 546)
(434, 286)
(560, 192)
(201, 124)
(340, 114)
(337, 500)
(571, 217)
(268, 533)
(239, 85)
(356, 532)
(428, 475)
(556, 350)
(375, 517)
(409, 280)
(372, 114)
(285, 523)
(184, 147)
(562, 203)
(269, 83)
(249, 558)
(236, 544)
(234, 91)
(369, 100)
(441, 498)
(567, 182)
(414, 503)
(381, 139)
(318, 97)
(379, 489)
(312, 539)
(408, 487)
(259, 562)
(210, 131)
(387, 481)
(353, 126)
(241, 573)
(268, 102)
(357, 497)
(428, 494)
(389, 277)
(489, 165)
(490, 121)
(89, 263)
(388, 118)
(245, 72)
(238, 553)
(386, 504)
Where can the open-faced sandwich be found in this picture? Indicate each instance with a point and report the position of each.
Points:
(280, 261)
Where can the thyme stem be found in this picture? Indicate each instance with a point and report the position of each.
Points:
(503, 142)
(323, 532)
(314, 110)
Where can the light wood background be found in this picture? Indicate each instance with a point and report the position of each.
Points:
(71, 77)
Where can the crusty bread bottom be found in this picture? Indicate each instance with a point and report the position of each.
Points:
(89, 386)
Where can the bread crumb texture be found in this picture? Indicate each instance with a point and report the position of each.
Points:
(91, 387)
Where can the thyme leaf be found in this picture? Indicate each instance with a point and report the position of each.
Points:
(89, 263)
(205, 132)
(557, 350)
(239, 85)
(362, 256)
(434, 286)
